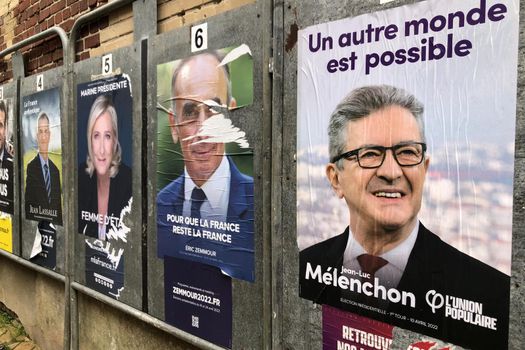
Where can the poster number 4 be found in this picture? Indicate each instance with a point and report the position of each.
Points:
(39, 82)
(199, 37)
(107, 64)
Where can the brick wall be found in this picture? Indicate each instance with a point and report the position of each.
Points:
(7, 29)
(174, 14)
(20, 19)
(23, 18)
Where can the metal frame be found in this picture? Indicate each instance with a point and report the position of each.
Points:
(71, 287)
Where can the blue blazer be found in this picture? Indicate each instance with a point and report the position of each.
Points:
(236, 259)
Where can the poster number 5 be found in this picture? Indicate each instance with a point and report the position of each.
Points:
(107, 64)
(39, 82)
(199, 37)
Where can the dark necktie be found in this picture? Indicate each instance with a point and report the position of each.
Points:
(48, 182)
(370, 264)
(197, 198)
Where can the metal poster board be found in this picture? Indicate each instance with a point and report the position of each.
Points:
(206, 128)
(108, 236)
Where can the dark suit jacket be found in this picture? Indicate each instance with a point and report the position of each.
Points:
(432, 265)
(37, 206)
(120, 192)
(237, 257)
(6, 179)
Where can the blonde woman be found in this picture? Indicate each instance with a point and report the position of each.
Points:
(104, 182)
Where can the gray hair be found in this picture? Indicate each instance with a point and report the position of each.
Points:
(101, 105)
(362, 102)
(42, 115)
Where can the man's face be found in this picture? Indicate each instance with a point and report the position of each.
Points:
(2, 130)
(42, 136)
(199, 80)
(364, 190)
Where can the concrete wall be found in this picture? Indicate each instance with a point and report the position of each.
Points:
(37, 300)
(39, 303)
(103, 327)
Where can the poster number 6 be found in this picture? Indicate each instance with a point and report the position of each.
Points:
(199, 37)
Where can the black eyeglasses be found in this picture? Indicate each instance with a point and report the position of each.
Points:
(369, 157)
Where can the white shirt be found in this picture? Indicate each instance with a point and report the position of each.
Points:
(216, 189)
(390, 274)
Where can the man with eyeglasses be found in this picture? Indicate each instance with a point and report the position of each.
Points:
(396, 268)
(211, 188)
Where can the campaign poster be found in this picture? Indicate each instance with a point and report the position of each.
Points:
(198, 300)
(348, 331)
(104, 268)
(7, 152)
(204, 161)
(47, 255)
(104, 137)
(6, 232)
(42, 156)
(405, 158)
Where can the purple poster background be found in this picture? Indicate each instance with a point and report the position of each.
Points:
(345, 330)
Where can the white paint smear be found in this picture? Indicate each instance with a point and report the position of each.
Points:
(117, 296)
(120, 232)
(112, 254)
(218, 129)
(235, 53)
(37, 245)
(129, 83)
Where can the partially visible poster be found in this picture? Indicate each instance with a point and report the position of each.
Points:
(6, 232)
(47, 256)
(42, 156)
(104, 268)
(348, 331)
(404, 199)
(104, 136)
(205, 163)
(198, 300)
(7, 152)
